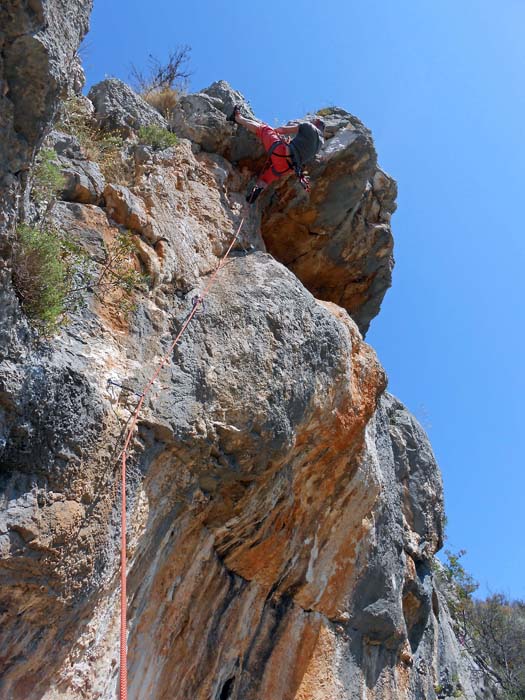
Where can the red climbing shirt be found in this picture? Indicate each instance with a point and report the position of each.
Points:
(278, 162)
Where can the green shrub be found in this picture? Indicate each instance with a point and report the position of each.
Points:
(52, 276)
(490, 630)
(43, 271)
(48, 179)
(325, 111)
(461, 583)
(157, 137)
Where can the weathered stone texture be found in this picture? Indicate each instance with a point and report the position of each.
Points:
(338, 241)
(283, 509)
(118, 108)
(201, 117)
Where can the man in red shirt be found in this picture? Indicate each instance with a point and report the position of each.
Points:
(283, 157)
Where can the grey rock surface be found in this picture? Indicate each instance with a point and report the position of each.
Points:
(338, 240)
(201, 117)
(399, 612)
(65, 145)
(84, 182)
(38, 42)
(283, 510)
(119, 108)
(38, 45)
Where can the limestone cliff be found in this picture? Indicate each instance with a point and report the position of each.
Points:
(284, 509)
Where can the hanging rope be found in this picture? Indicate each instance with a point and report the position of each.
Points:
(197, 302)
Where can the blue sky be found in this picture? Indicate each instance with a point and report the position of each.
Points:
(442, 87)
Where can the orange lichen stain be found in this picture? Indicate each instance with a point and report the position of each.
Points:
(410, 568)
(411, 607)
(320, 679)
(291, 656)
(262, 561)
(403, 671)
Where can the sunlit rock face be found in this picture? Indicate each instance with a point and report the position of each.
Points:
(283, 509)
(338, 240)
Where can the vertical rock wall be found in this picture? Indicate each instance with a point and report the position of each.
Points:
(284, 510)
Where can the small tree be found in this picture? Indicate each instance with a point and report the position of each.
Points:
(162, 83)
(497, 628)
(171, 75)
(491, 630)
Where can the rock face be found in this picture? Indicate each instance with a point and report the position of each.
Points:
(338, 241)
(118, 108)
(201, 117)
(284, 510)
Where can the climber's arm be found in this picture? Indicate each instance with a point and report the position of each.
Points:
(293, 129)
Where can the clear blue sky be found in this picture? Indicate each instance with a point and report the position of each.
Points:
(441, 85)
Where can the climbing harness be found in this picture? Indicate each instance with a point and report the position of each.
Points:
(197, 305)
(287, 156)
(293, 163)
(292, 158)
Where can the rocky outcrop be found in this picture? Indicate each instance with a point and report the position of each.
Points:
(338, 241)
(118, 108)
(201, 117)
(38, 46)
(284, 510)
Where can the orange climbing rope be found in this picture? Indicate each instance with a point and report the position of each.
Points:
(123, 601)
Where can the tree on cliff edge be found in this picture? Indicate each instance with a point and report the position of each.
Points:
(492, 630)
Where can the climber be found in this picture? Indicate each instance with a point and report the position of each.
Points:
(283, 157)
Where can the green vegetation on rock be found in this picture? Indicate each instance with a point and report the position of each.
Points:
(157, 137)
(491, 630)
(52, 276)
(48, 179)
(99, 145)
(43, 273)
(325, 111)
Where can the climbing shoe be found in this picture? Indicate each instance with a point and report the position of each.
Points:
(233, 115)
(252, 196)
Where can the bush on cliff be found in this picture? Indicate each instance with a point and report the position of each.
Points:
(162, 83)
(157, 137)
(52, 276)
(44, 267)
(491, 630)
(164, 101)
